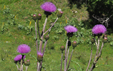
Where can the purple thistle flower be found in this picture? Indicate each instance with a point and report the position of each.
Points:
(39, 53)
(39, 56)
(99, 29)
(19, 57)
(48, 6)
(23, 48)
(70, 29)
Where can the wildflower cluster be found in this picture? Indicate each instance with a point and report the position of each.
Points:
(70, 30)
(22, 49)
(99, 31)
(48, 8)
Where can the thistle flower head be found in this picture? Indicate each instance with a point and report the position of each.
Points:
(34, 17)
(99, 29)
(48, 6)
(46, 37)
(23, 48)
(62, 48)
(39, 56)
(39, 16)
(60, 14)
(27, 63)
(70, 29)
(105, 39)
(19, 57)
(74, 44)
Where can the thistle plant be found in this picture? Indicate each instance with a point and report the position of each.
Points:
(23, 49)
(62, 48)
(27, 63)
(99, 34)
(70, 30)
(17, 59)
(48, 8)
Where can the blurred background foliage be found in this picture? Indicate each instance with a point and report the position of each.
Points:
(102, 9)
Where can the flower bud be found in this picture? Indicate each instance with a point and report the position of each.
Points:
(35, 17)
(27, 63)
(74, 44)
(105, 35)
(46, 37)
(92, 40)
(60, 14)
(105, 39)
(62, 48)
(39, 56)
(39, 16)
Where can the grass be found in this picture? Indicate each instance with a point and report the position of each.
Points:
(12, 37)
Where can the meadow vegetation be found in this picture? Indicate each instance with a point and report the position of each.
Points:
(17, 27)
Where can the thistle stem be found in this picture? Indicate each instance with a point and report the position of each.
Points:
(38, 28)
(48, 34)
(51, 25)
(69, 60)
(36, 36)
(97, 56)
(38, 66)
(67, 52)
(21, 63)
(89, 59)
(41, 41)
(65, 61)
(101, 49)
(61, 60)
(17, 67)
(44, 47)
(21, 68)
(43, 54)
(26, 68)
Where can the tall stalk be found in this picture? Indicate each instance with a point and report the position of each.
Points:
(65, 61)
(98, 55)
(61, 61)
(42, 35)
(36, 36)
(69, 60)
(90, 58)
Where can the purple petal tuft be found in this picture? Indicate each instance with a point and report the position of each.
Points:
(23, 48)
(48, 6)
(19, 57)
(70, 29)
(39, 53)
(99, 29)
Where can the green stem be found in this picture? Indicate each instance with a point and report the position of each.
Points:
(38, 66)
(26, 68)
(41, 41)
(96, 56)
(36, 36)
(61, 60)
(65, 61)
(21, 65)
(89, 59)
(69, 60)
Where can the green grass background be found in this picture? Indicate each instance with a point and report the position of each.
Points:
(12, 37)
